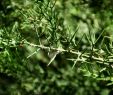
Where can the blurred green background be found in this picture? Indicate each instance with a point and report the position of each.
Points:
(23, 68)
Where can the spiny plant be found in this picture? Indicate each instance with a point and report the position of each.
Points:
(45, 25)
(56, 41)
(61, 44)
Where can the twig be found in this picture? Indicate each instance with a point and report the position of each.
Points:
(83, 56)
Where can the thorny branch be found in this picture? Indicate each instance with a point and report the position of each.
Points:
(82, 58)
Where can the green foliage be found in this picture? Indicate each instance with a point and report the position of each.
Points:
(56, 47)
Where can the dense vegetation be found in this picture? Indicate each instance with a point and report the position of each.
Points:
(56, 47)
